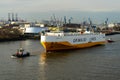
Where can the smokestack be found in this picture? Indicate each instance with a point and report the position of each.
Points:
(9, 19)
(65, 21)
(12, 16)
(16, 17)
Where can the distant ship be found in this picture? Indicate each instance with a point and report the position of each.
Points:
(54, 41)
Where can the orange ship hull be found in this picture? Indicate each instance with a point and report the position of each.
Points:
(54, 46)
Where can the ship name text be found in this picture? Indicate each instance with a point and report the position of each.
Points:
(84, 39)
(79, 40)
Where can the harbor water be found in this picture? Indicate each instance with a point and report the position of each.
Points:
(95, 63)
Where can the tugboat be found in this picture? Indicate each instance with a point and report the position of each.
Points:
(20, 54)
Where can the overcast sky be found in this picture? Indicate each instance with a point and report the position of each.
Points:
(39, 8)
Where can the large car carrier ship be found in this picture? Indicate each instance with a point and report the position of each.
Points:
(53, 41)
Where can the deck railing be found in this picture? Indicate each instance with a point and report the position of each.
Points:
(66, 33)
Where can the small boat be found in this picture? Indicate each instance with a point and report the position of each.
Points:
(110, 40)
(20, 54)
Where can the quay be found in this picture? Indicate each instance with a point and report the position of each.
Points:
(113, 33)
(9, 34)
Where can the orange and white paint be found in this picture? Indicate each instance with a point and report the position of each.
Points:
(53, 41)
